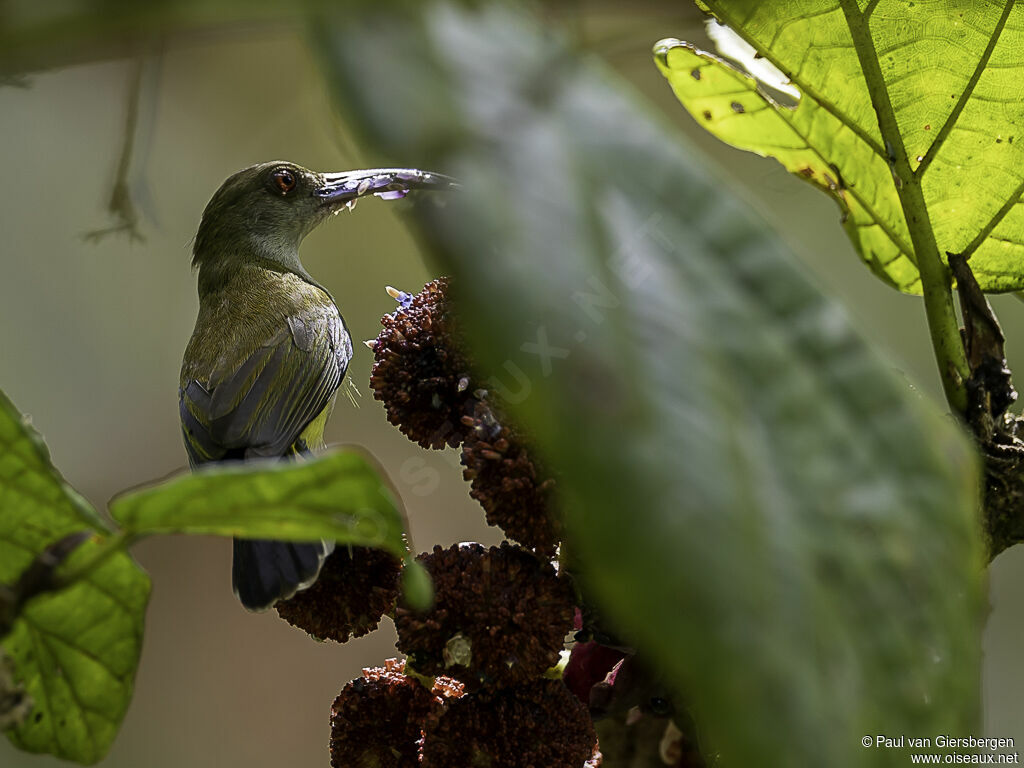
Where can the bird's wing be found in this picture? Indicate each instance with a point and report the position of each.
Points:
(261, 406)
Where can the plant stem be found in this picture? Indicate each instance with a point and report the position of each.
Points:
(107, 546)
(936, 281)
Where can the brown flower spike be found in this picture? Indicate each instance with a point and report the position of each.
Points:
(377, 720)
(499, 617)
(515, 493)
(356, 586)
(538, 724)
(420, 372)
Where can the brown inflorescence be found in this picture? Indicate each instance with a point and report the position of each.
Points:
(500, 616)
(515, 493)
(420, 371)
(378, 719)
(538, 724)
(356, 586)
(447, 688)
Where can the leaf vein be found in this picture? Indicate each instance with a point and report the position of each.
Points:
(994, 221)
(967, 92)
(827, 105)
(121, 679)
(40, 643)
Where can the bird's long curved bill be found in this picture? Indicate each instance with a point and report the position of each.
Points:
(386, 183)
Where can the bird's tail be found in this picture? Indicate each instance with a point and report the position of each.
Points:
(264, 572)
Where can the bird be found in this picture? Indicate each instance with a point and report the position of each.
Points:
(270, 348)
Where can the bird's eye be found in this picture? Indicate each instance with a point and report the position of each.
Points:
(284, 180)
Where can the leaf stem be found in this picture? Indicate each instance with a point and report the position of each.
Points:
(936, 281)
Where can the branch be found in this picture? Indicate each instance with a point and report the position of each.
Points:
(37, 578)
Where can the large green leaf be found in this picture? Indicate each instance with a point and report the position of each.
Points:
(75, 651)
(340, 496)
(756, 500)
(808, 141)
(952, 72)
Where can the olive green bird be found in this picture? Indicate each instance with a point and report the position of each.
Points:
(270, 347)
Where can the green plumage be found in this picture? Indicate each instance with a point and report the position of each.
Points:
(270, 348)
(267, 354)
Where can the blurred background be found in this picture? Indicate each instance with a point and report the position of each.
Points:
(92, 329)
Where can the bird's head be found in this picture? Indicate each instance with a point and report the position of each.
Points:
(263, 212)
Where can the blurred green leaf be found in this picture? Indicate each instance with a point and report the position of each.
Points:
(75, 651)
(756, 500)
(953, 73)
(41, 36)
(339, 496)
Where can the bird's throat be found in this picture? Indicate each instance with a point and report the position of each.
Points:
(218, 272)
